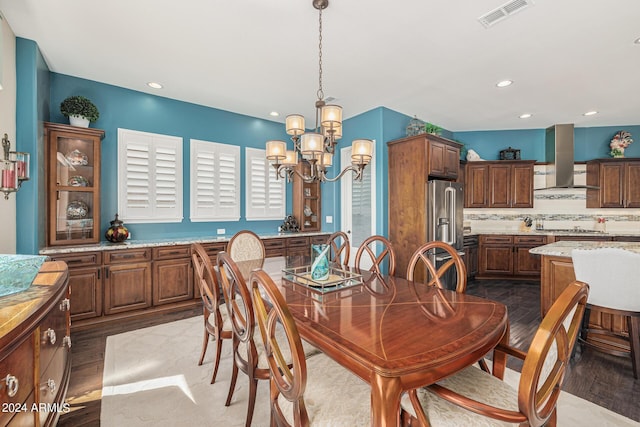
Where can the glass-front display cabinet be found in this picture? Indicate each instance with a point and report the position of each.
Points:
(307, 200)
(73, 184)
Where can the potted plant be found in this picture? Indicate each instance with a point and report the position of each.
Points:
(432, 129)
(80, 111)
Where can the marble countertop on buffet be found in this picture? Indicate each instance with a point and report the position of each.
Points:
(564, 248)
(133, 244)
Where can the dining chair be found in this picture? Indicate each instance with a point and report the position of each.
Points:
(245, 245)
(475, 397)
(340, 247)
(429, 255)
(304, 391)
(216, 317)
(247, 356)
(367, 253)
(248, 351)
(612, 275)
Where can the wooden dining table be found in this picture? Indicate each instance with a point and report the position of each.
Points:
(394, 334)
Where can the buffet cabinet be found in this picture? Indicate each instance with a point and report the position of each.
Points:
(499, 184)
(35, 344)
(615, 182)
(115, 284)
(73, 184)
(502, 256)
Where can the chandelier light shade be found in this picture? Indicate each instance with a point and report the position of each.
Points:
(318, 146)
(14, 168)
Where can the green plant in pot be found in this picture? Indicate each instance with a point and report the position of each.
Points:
(432, 129)
(80, 111)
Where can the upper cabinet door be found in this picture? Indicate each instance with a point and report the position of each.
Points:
(632, 183)
(73, 184)
(500, 185)
(611, 183)
(522, 186)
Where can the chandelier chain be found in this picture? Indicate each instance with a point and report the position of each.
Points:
(320, 92)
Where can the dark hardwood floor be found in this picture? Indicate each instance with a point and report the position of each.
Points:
(603, 379)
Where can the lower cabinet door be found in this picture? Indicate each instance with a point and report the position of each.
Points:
(86, 292)
(127, 287)
(172, 281)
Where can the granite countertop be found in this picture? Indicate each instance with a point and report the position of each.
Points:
(552, 232)
(564, 248)
(133, 244)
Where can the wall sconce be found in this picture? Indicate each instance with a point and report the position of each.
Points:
(15, 168)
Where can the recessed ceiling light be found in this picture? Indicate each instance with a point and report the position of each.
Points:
(637, 41)
(590, 113)
(274, 114)
(525, 116)
(504, 83)
(154, 85)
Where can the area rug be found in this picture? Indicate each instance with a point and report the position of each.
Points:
(152, 378)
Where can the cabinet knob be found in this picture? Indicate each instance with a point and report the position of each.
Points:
(65, 304)
(66, 341)
(12, 385)
(51, 335)
(50, 386)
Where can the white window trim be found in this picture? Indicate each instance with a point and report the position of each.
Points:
(153, 142)
(216, 211)
(274, 189)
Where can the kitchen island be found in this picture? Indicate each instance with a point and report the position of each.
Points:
(557, 272)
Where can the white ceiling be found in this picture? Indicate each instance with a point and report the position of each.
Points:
(427, 58)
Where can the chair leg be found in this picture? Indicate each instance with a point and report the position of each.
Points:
(253, 389)
(232, 386)
(634, 343)
(205, 343)
(216, 363)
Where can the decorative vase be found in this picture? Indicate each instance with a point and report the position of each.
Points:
(79, 121)
(117, 233)
(320, 262)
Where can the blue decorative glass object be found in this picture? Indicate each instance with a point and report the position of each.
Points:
(320, 262)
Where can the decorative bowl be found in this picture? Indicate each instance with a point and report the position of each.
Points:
(77, 158)
(78, 181)
(77, 209)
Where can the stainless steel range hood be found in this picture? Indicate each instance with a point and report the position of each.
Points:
(559, 156)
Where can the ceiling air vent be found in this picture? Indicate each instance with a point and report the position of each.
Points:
(504, 11)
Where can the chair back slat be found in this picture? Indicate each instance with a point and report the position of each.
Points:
(434, 274)
(340, 248)
(377, 250)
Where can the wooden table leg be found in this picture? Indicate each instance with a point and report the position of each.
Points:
(385, 401)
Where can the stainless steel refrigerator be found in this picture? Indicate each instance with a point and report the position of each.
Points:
(445, 201)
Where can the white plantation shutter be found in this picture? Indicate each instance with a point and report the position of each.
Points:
(149, 177)
(215, 181)
(265, 196)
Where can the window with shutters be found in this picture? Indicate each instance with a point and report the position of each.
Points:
(149, 177)
(265, 196)
(215, 181)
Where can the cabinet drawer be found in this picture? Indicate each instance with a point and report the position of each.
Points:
(171, 252)
(50, 384)
(274, 244)
(133, 255)
(530, 240)
(318, 240)
(53, 330)
(296, 242)
(83, 259)
(502, 240)
(19, 364)
(470, 241)
(213, 249)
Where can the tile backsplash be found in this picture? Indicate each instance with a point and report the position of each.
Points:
(558, 209)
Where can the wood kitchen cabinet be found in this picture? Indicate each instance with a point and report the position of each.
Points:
(499, 184)
(617, 181)
(85, 283)
(172, 274)
(508, 256)
(412, 162)
(307, 200)
(471, 248)
(127, 283)
(73, 184)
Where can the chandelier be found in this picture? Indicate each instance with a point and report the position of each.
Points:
(317, 147)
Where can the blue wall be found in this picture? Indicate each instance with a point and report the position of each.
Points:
(124, 108)
(589, 143)
(32, 108)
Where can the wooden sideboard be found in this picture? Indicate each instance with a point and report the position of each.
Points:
(35, 344)
(114, 284)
